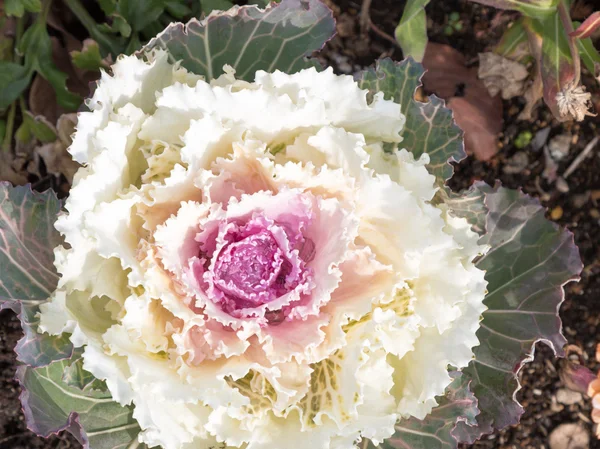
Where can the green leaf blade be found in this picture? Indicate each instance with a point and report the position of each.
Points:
(531, 8)
(589, 55)
(50, 406)
(14, 79)
(411, 32)
(556, 64)
(430, 126)
(35, 349)
(250, 39)
(37, 48)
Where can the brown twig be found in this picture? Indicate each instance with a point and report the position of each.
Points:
(382, 33)
(581, 157)
(365, 17)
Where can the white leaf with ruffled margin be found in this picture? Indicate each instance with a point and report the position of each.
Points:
(277, 279)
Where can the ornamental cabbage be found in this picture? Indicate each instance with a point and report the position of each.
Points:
(260, 264)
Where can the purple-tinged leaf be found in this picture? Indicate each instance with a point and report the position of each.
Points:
(438, 429)
(430, 126)
(468, 204)
(250, 39)
(35, 349)
(529, 262)
(50, 406)
(27, 241)
(587, 28)
(576, 377)
(27, 274)
(556, 64)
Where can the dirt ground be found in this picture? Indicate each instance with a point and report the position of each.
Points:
(546, 404)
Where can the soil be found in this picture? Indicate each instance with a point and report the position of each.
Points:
(578, 209)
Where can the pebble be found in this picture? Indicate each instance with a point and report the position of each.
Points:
(569, 436)
(568, 397)
(559, 146)
(557, 213)
(562, 185)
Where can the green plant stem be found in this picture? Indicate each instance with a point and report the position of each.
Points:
(45, 10)
(18, 35)
(10, 124)
(12, 112)
(565, 17)
(90, 24)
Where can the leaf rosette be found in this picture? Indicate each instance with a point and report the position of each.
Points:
(246, 263)
(261, 259)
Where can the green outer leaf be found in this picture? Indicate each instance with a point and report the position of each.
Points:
(178, 9)
(530, 8)
(529, 262)
(18, 7)
(589, 54)
(250, 39)
(39, 127)
(14, 79)
(430, 127)
(14, 8)
(35, 349)
(437, 430)
(107, 6)
(27, 274)
(511, 41)
(37, 48)
(49, 406)
(139, 14)
(76, 376)
(209, 6)
(556, 62)
(32, 5)
(411, 32)
(89, 57)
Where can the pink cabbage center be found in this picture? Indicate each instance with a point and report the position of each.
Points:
(259, 262)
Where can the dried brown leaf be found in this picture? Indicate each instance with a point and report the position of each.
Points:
(11, 170)
(57, 160)
(475, 110)
(532, 96)
(55, 156)
(502, 75)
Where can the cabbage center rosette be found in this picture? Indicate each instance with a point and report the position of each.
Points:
(247, 266)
